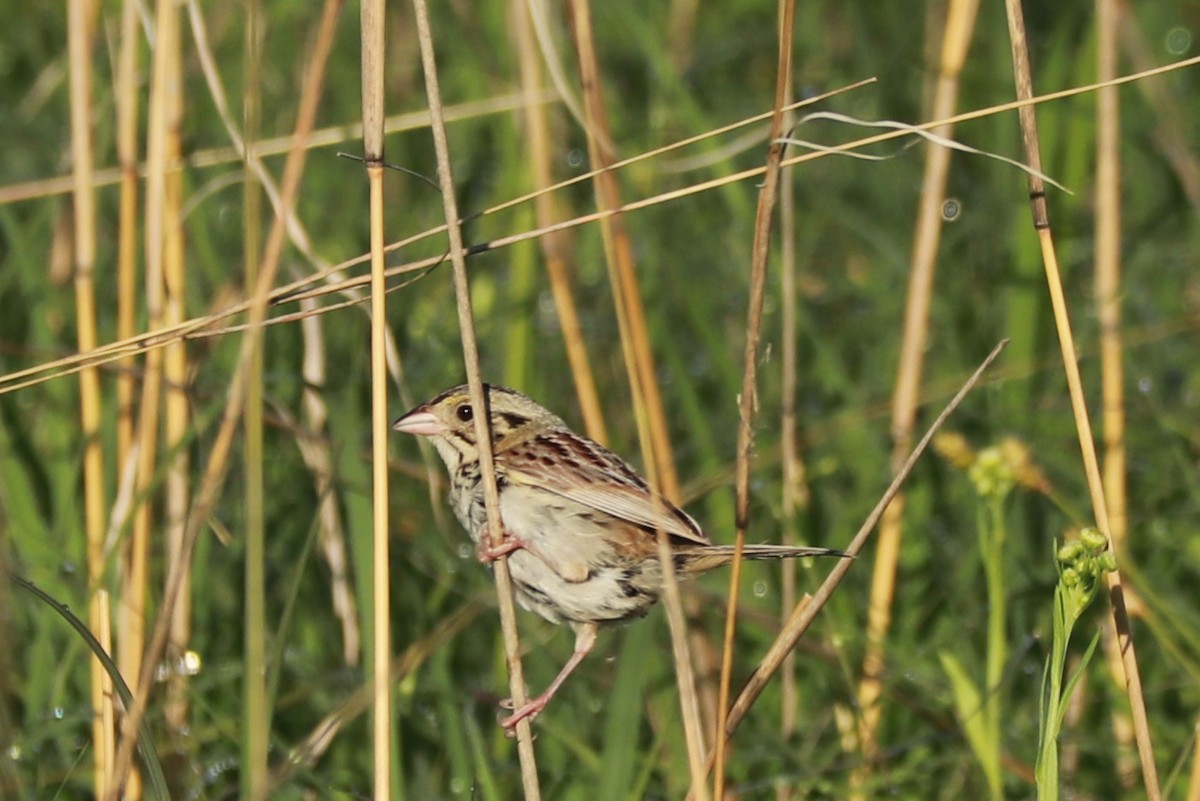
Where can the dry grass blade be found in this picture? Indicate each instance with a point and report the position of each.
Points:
(373, 67)
(81, 26)
(1041, 222)
(639, 367)
(748, 400)
(804, 613)
(466, 322)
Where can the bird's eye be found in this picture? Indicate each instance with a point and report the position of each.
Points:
(464, 413)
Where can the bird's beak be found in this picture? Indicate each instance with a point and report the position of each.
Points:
(421, 423)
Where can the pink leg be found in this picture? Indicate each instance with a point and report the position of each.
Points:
(487, 554)
(585, 638)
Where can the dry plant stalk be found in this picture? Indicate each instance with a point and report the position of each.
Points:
(161, 245)
(1108, 313)
(554, 245)
(466, 323)
(956, 37)
(639, 367)
(794, 496)
(256, 716)
(748, 399)
(1041, 223)
(373, 63)
(81, 27)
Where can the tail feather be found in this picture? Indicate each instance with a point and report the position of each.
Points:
(706, 557)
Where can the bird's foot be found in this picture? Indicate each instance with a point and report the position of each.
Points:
(529, 711)
(488, 553)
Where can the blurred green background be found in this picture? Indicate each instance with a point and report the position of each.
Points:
(614, 732)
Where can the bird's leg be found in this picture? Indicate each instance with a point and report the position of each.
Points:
(585, 638)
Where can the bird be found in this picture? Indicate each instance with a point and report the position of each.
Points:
(580, 524)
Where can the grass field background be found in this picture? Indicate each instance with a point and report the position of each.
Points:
(847, 233)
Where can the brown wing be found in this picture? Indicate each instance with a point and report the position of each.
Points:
(587, 473)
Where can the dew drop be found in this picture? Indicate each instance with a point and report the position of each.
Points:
(575, 158)
(464, 551)
(1178, 41)
(190, 663)
(1145, 385)
(58, 713)
(951, 209)
(760, 589)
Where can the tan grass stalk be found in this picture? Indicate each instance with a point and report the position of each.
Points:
(373, 65)
(127, 95)
(81, 27)
(132, 601)
(214, 472)
(315, 450)
(956, 37)
(555, 248)
(1041, 223)
(1108, 314)
(631, 314)
(795, 484)
(748, 398)
(466, 324)
(639, 366)
(176, 419)
(256, 714)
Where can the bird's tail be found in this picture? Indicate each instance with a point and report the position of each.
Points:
(706, 557)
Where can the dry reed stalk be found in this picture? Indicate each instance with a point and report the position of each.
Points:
(794, 496)
(956, 38)
(127, 96)
(127, 155)
(639, 366)
(373, 65)
(317, 455)
(256, 713)
(487, 469)
(214, 472)
(81, 20)
(1041, 223)
(631, 314)
(176, 418)
(748, 397)
(131, 604)
(555, 248)
(1108, 314)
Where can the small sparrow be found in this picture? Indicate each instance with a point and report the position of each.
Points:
(579, 523)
